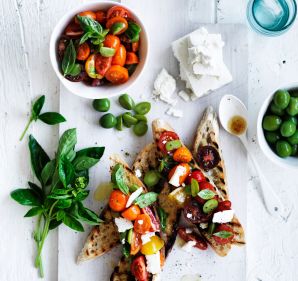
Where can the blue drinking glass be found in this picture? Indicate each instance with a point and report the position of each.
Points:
(271, 17)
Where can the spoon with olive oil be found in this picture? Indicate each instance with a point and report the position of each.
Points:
(233, 118)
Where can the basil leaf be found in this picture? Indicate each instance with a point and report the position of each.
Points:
(133, 31)
(211, 228)
(187, 190)
(67, 143)
(162, 217)
(59, 196)
(69, 58)
(59, 191)
(194, 186)
(82, 195)
(51, 118)
(206, 194)
(81, 182)
(39, 158)
(76, 70)
(87, 215)
(54, 223)
(118, 177)
(84, 163)
(60, 215)
(90, 25)
(66, 171)
(126, 250)
(36, 189)
(85, 37)
(26, 197)
(63, 203)
(146, 199)
(93, 152)
(48, 172)
(34, 212)
(73, 223)
(223, 234)
(37, 106)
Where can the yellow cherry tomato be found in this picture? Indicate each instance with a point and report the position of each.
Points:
(90, 68)
(152, 247)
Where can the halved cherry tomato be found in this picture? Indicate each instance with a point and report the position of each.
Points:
(102, 64)
(222, 241)
(205, 185)
(73, 30)
(182, 154)
(117, 201)
(197, 175)
(117, 25)
(131, 213)
(90, 67)
(120, 56)
(152, 247)
(155, 223)
(142, 224)
(136, 243)
(117, 74)
(135, 46)
(162, 258)
(112, 41)
(101, 16)
(131, 58)
(182, 177)
(88, 14)
(164, 138)
(117, 11)
(200, 242)
(138, 269)
(83, 51)
(223, 206)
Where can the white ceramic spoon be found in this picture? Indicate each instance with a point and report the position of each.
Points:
(229, 107)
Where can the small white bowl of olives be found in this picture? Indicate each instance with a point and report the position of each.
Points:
(277, 126)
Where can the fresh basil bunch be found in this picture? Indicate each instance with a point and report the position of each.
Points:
(59, 196)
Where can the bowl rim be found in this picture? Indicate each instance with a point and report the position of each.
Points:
(53, 54)
(282, 162)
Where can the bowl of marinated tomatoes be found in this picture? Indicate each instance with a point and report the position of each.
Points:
(99, 49)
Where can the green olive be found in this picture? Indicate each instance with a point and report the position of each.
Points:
(287, 128)
(151, 178)
(294, 138)
(272, 137)
(142, 108)
(126, 101)
(292, 108)
(271, 122)
(124, 122)
(108, 121)
(210, 206)
(291, 118)
(101, 105)
(276, 110)
(140, 117)
(173, 144)
(281, 99)
(119, 124)
(129, 120)
(283, 148)
(140, 129)
(294, 150)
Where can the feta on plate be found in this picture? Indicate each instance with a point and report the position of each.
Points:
(175, 179)
(223, 217)
(146, 237)
(187, 247)
(123, 224)
(175, 112)
(153, 263)
(134, 196)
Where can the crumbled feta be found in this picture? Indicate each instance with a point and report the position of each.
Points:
(123, 224)
(153, 263)
(146, 237)
(223, 217)
(188, 230)
(203, 225)
(175, 112)
(184, 95)
(189, 215)
(164, 88)
(188, 246)
(123, 241)
(175, 179)
(140, 222)
(138, 173)
(134, 196)
(156, 277)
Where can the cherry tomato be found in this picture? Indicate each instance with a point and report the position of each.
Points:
(197, 175)
(135, 46)
(101, 16)
(182, 177)
(200, 242)
(223, 206)
(120, 56)
(102, 64)
(208, 157)
(118, 201)
(83, 51)
(205, 185)
(90, 67)
(117, 11)
(152, 247)
(117, 25)
(164, 138)
(73, 30)
(131, 58)
(131, 213)
(136, 243)
(222, 241)
(138, 269)
(112, 41)
(182, 154)
(142, 224)
(117, 74)
(155, 223)
(88, 14)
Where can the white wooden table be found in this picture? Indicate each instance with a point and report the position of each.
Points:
(26, 73)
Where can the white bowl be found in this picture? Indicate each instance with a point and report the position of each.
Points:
(289, 162)
(105, 91)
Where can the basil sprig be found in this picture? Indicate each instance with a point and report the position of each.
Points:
(162, 217)
(118, 178)
(59, 196)
(133, 31)
(50, 118)
(92, 30)
(146, 199)
(223, 234)
(69, 65)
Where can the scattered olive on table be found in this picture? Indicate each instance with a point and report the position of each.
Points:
(280, 123)
(101, 105)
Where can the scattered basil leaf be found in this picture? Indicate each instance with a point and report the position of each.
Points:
(194, 186)
(25, 197)
(37, 106)
(223, 234)
(118, 178)
(162, 217)
(72, 222)
(51, 118)
(146, 199)
(206, 194)
(69, 65)
(34, 212)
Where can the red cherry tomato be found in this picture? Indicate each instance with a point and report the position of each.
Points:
(117, 11)
(142, 224)
(200, 242)
(131, 58)
(120, 56)
(197, 175)
(164, 138)
(223, 206)
(222, 241)
(101, 16)
(73, 30)
(135, 46)
(112, 41)
(118, 201)
(117, 25)
(136, 243)
(88, 14)
(83, 51)
(205, 185)
(102, 64)
(138, 269)
(117, 74)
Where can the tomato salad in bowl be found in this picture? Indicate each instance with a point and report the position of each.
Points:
(102, 46)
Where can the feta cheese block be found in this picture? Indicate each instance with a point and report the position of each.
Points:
(123, 224)
(153, 263)
(134, 196)
(187, 247)
(184, 95)
(175, 179)
(223, 217)
(175, 112)
(164, 88)
(146, 237)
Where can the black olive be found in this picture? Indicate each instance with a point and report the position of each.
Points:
(208, 157)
